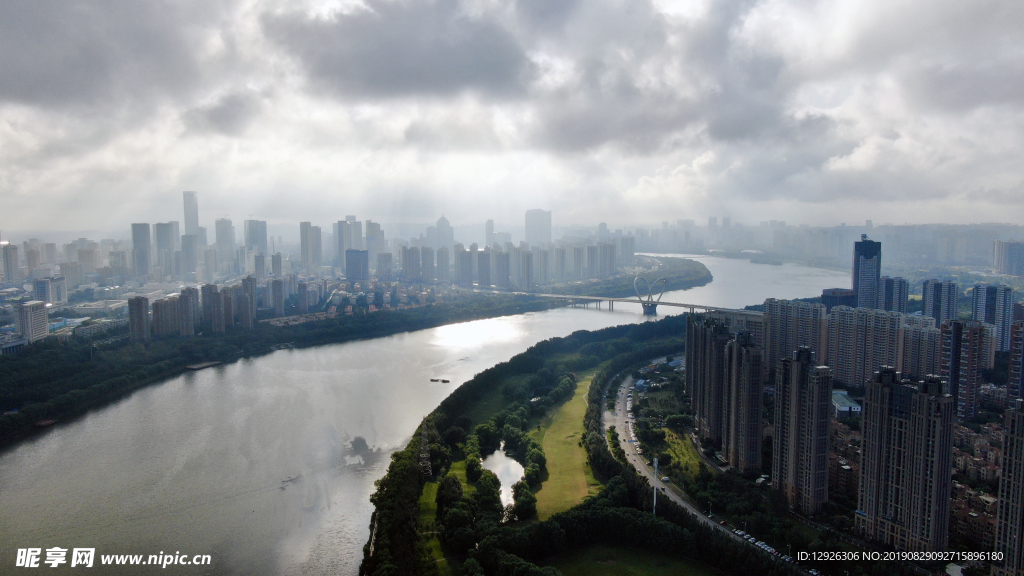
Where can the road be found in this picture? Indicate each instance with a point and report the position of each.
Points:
(621, 418)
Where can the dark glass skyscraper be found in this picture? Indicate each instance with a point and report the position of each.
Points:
(867, 269)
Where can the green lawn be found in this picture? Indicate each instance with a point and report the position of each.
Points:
(612, 561)
(459, 469)
(683, 452)
(569, 478)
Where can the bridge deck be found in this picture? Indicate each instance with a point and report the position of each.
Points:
(630, 300)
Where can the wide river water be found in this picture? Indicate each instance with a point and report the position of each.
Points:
(268, 464)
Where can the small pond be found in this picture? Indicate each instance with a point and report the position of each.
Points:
(508, 472)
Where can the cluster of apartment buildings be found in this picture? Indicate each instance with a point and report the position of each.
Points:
(920, 374)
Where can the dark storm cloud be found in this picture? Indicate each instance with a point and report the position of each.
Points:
(53, 54)
(229, 115)
(406, 48)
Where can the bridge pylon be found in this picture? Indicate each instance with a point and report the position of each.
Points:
(648, 303)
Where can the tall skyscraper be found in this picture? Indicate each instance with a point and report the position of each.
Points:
(940, 300)
(860, 341)
(191, 213)
(994, 305)
(189, 312)
(1010, 512)
(247, 304)
(277, 296)
(968, 347)
(893, 294)
(538, 227)
(42, 290)
(742, 442)
(789, 325)
(138, 318)
(342, 242)
(803, 397)
(256, 237)
(276, 266)
(906, 463)
(867, 268)
(141, 250)
(225, 241)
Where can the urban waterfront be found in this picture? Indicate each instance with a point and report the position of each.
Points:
(268, 464)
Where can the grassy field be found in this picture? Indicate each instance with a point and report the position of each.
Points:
(569, 477)
(611, 561)
(684, 453)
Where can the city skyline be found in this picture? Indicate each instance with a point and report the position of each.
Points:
(771, 110)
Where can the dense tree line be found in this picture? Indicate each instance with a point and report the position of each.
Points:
(51, 379)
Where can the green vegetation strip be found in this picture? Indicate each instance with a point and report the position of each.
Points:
(570, 479)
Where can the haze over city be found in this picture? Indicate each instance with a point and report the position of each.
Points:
(817, 113)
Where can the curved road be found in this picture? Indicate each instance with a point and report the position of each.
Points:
(621, 418)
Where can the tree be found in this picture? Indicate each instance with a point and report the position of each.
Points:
(449, 492)
(525, 503)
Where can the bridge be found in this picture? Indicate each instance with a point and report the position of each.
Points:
(648, 302)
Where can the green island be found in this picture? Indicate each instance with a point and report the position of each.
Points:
(578, 506)
(679, 274)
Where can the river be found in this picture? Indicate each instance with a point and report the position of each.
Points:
(267, 464)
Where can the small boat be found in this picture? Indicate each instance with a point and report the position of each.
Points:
(444, 381)
(44, 423)
(434, 380)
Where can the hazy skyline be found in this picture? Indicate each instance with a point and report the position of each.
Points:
(625, 112)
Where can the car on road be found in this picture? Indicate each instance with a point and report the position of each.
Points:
(665, 479)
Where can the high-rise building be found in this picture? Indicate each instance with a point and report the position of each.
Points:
(708, 376)
(906, 463)
(427, 264)
(867, 268)
(191, 213)
(832, 297)
(893, 294)
(138, 318)
(502, 273)
(860, 341)
(246, 306)
(1010, 511)
(277, 296)
(939, 300)
(207, 292)
(803, 397)
(225, 241)
(12, 268)
(384, 267)
(1015, 384)
(310, 242)
(445, 233)
(342, 242)
(968, 347)
(32, 320)
(189, 312)
(256, 236)
(538, 227)
(483, 273)
(166, 317)
(464, 267)
(141, 250)
(1008, 258)
(276, 266)
(59, 290)
(189, 257)
(994, 305)
(920, 348)
(357, 266)
(259, 265)
(742, 442)
(444, 266)
(42, 290)
(789, 325)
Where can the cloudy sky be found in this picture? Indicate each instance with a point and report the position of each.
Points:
(629, 112)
